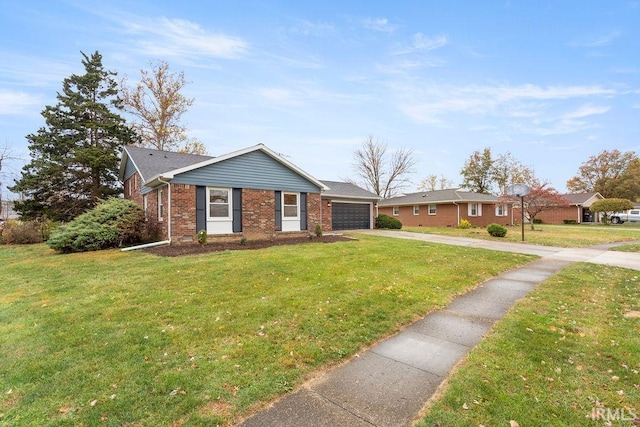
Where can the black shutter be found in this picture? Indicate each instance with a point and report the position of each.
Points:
(201, 208)
(237, 210)
(278, 210)
(303, 211)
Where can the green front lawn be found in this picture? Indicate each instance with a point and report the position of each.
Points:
(567, 355)
(569, 236)
(129, 338)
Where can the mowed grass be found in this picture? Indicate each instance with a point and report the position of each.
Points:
(113, 338)
(566, 355)
(567, 236)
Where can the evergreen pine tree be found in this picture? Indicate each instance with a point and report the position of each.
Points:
(75, 156)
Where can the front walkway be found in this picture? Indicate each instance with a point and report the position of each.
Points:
(389, 384)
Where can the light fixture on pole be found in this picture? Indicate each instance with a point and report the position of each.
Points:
(519, 190)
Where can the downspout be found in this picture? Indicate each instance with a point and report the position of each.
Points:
(458, 209)
(373, 222)
(168, 207)
(321, 211)
(146, 245)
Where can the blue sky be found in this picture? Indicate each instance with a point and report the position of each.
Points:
(551, 82)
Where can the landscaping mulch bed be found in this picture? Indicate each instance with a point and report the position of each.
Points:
(195, 248)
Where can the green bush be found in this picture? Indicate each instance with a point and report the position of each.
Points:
(569, 221)
(318, 230)
(537, 221)
(112, 223)
(202, 237)
(464, 224)
(497, 230)
(385, 221)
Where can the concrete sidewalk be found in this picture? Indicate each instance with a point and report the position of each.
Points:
(389, 384)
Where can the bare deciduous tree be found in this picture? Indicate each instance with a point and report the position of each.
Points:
(5, 154)
(158, 105)
(434, 182)
(484, 174)
(509, 170)
(383, 175)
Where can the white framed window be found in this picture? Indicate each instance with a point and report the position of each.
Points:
(501, 210)
(433, 209)
(219, 203)
(290, 205)
(475, 209)
(160, 206)
(416, 209)
(396, 210)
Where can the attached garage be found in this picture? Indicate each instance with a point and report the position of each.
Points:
(351, 216)
(349, 206)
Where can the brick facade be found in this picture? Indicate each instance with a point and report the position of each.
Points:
(327, 215)
(258, 212)
(446, 215)
(557, 215)
(314, 212)
(183, 213)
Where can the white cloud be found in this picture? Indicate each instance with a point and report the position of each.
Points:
(529, 91)
(597, 41)
(562, 127)
(586, 110)
(532, 109)
(164, 37)
(625, 70)
(306, 28)
(279, 96)
(15, 103)
(378, 24)
(422, 43)
(407, 65)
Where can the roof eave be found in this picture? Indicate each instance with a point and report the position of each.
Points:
(343, 196)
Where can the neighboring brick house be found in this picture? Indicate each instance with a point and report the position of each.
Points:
(254, 193)
(446, 208)
(577, 209)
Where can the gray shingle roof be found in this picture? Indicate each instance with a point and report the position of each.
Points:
(579, 198)
(151, 162)
(346, 189)
(439, 196)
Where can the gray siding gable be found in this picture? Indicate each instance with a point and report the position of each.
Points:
(254, 169)
(129, 169)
